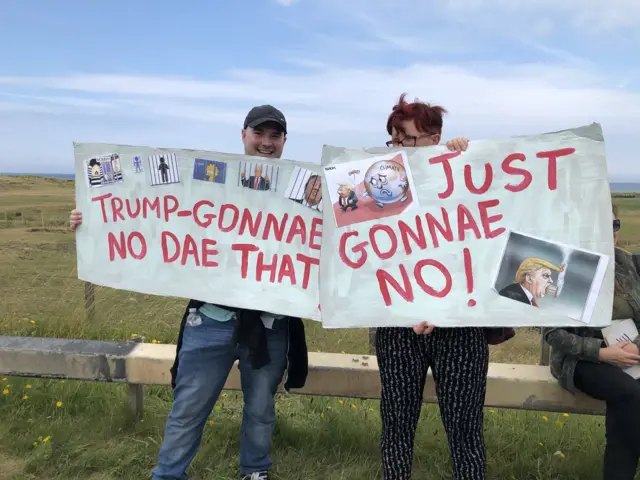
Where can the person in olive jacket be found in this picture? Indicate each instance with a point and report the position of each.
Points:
(580, 360)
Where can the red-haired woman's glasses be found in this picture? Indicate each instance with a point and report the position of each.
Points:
(616, 225)
(407, 141)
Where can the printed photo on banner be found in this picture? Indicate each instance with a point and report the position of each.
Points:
(372, 188)
(552, 276)
(209, 171)
(104, 170)
(305, 187)
(136, 163)
(163, 169)
(258, 176)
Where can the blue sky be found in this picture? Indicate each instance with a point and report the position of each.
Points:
(184, 74)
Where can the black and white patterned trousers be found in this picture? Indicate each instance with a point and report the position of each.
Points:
(459, 359)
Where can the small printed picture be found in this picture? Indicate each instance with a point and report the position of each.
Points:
(104, 170)
(209, 171)
(163, 169)
(136, 163)
(305, 187)
(369, 189)
(552, 276)
(258, 176)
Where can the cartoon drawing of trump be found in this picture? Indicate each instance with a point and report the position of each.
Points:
(347, 196)
(533, 280)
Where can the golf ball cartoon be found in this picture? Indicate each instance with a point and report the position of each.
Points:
(386, 182)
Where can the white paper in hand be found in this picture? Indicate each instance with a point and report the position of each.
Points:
(622, 331)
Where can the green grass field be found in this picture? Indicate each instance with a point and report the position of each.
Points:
(75, 430)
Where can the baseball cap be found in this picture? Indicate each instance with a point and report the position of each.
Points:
(265, 113)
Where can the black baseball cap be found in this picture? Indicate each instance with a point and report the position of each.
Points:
(265, 113)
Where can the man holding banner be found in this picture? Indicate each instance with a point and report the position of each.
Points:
(213, 337)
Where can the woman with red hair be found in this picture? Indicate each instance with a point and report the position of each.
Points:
(458, 357)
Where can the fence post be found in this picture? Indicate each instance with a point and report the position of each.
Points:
(89, 300)
(372, 341)
(544, 348)
(135, 393)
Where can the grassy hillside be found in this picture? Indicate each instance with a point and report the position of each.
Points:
(88, 436)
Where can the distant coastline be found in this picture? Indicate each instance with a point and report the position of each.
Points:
(616, 187)
(61, 176)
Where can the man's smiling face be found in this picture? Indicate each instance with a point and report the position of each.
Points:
(265, 140)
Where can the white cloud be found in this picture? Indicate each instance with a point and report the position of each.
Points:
(22, 107)
(594, 16)
(483, 99)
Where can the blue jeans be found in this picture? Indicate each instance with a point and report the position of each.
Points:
(205, 360)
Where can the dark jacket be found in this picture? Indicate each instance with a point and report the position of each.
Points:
(571, 345)
(515, 292)
(250, 331)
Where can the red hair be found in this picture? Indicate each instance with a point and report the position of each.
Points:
(427, 118)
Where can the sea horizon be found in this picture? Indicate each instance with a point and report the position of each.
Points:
(616, 187)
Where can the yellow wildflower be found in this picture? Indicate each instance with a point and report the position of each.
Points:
(560, 454)
(492, 411)
(211, 422)
(565, 414)
(341, 402)
(545, 418)
(33, 321)
(321, 414)
(353, 405)
(540, 443)
(5, 391)
(59, 404)
(35, 444)
(217, 408)
(559, 424)
(26, 397)
(28, 387)
(4, 379)
(46, 439)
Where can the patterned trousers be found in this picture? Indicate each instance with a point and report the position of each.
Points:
(459, 359)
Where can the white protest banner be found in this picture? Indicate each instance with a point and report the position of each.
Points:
(514, 232)
(228, 229)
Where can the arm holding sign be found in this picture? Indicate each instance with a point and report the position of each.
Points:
(458, 144)
(75, 219)
(424, 328)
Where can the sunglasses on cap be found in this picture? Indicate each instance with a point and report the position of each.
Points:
(616, 225)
